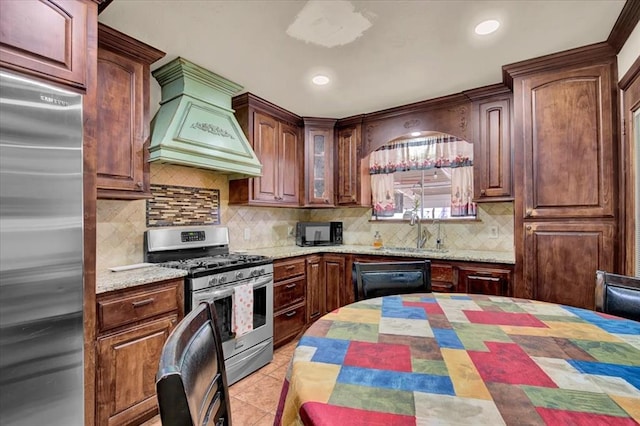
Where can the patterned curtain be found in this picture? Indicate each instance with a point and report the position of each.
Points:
(422, 154)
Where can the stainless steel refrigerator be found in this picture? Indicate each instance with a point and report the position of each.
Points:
(41, 321)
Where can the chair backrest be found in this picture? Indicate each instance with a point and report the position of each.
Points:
(191, 383)
(618, 295)
(386, 278)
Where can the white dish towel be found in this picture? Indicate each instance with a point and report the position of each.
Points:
(242, 309)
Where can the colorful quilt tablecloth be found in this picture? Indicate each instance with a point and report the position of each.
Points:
(457, 359)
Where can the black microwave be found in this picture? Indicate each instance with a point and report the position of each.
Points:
(318, 234)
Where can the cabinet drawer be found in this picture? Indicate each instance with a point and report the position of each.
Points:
(288, 269)
(288, 293)
(288, 323)
(443, 287)
(130, 308)
(442, 273)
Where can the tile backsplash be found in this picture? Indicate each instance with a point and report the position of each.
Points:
(121, 224)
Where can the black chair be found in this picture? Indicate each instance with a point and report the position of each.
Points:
(192, 381)
(386, 278)
(618, 295)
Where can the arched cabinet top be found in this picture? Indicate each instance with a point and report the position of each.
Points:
(451, 115)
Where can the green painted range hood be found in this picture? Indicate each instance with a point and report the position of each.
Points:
(195, 125)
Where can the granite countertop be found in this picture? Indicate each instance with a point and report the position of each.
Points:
(447, 254)
(108, 280)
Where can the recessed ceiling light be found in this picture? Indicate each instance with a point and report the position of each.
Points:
(415, 134)
(320, 80)
(487, 27)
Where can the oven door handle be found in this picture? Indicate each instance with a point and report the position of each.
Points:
(226, 292)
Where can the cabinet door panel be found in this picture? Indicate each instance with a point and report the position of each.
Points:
(334, 279)
(492, 163)
(289, 163)
(265, 142)
(561, 259)
(127, 366)
(121, 148)
(315, 288)
(568, 144)
(348, 166)
(46, 38)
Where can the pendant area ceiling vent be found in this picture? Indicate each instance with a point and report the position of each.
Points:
(195, 125)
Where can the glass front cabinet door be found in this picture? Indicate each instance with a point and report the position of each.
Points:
(319, 162)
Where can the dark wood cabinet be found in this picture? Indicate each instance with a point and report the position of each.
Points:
(318, 146)
(561, 259)
(334, 273)
(484, 280)
(353, 186)
(275, 137)
(443, 277)
(316, 288)
(123, 114)
(568, 143)
(565, 178)
(133, 325)
(492, 150)
(47, 39)
(289, 299)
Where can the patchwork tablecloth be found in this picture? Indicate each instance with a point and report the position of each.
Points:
(464, 360)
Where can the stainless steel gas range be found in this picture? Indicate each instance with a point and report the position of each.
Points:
(215, 274)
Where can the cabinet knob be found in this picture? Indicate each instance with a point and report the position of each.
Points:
(528, 212)
(529, 228)
(139, 184)
(326, 201)
(483, 192)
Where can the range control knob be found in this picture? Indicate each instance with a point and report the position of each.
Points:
(213, 280)
(239, 276)
(223, 279)
(255, 272)
(262, 271)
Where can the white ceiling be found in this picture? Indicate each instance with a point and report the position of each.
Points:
(411, 51)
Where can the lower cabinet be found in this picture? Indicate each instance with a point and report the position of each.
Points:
(479, 280)
(289, 299)
(325, 283)
(133, 325)
(443, 278)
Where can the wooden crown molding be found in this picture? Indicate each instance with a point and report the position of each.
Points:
(250, 100)
(624, 26)
(121, 43)
(498, 89)
(585, 54)
(630, 75)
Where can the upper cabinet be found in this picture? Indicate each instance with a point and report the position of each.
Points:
(274, 134)
(318, 162)
(123, 114)
(493, 156)
(567, 125)
(351, 188)
(46, 39)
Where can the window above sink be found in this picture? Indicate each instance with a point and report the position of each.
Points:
(429, 176)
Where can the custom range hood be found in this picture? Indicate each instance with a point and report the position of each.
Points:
(195, 125)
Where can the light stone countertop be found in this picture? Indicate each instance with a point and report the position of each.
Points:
(447, 254)
(107, 280)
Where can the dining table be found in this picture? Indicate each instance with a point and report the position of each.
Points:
(463, 359)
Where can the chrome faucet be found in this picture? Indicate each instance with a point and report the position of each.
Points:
(422, 233)
(439, 239)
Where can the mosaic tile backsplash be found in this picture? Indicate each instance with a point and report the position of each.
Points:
(121, 224)
(183, 206)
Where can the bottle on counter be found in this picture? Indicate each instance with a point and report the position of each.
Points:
(377, 240)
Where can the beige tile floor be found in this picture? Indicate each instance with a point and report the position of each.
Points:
(254, 399)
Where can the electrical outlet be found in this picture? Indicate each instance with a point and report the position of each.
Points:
(290, 231)
(247, 234)
(493, 232)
